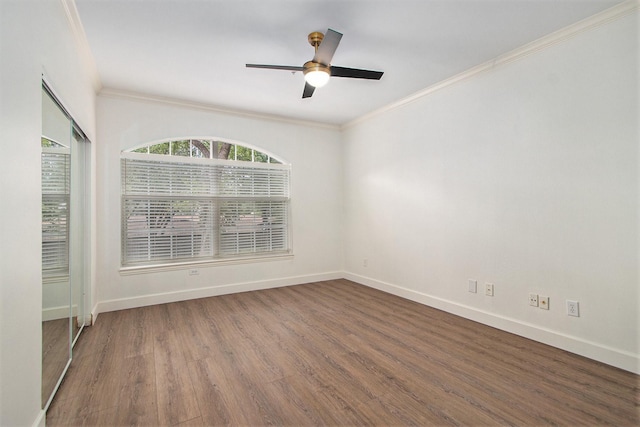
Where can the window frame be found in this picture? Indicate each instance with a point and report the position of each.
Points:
(216, 200)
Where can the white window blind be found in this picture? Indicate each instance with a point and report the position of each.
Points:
(181, 209)
(253, 181)
(252, 226)
(166, 229)
(55, 211)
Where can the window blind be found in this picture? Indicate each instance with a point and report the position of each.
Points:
(55, 211)
(248, 181)
(252, 227)
(201, 209)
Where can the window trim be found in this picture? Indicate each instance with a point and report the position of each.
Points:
(194, 265)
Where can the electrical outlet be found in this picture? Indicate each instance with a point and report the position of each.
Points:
(533, 300)
(193, 272)
(544, 303)
(488, 289)
(473, 286)
(573, 308)
(365, 262)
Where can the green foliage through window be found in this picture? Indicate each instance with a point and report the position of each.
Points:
(207, 149)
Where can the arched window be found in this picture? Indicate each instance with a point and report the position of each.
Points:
(202, 200)
(207, 149)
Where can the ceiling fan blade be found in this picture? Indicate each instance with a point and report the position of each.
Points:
(327, 47)
(276, 67)
(308, 90)
(355, 73)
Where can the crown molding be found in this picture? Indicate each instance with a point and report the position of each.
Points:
(595, 21)
(155, 99)
(73, 17)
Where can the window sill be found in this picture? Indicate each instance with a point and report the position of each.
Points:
(156, 268)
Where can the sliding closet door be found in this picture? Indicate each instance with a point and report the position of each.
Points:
(65, 239)
(56, 284)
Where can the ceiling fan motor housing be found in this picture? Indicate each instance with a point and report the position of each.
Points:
(316, 74)
(310, 66)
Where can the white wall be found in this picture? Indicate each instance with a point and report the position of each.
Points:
(34, 35)
(525, 176)
(313, 151)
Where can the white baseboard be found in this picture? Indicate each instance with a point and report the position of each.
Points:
(55, 313)
(611, 356)
(163, 298)
(94, 315)
(40, 419)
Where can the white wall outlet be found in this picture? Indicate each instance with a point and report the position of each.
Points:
(488, 289)
(573, 308)
(193, 272)
(365, 262)
(473, 286)
(533, 300)
(544, 303)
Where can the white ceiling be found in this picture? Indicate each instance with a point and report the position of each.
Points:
(196, 50)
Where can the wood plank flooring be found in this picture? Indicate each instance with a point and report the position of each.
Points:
(328, 353)
(55, 354)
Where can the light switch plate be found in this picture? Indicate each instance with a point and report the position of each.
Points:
(473, 286)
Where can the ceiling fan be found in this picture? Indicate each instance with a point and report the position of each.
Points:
(318, 71)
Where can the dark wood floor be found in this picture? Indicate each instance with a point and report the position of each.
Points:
(55, 354)
(328, 353)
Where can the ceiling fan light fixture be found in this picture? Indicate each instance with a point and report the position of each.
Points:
(317, 75)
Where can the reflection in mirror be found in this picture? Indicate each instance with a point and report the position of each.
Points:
(56, 194)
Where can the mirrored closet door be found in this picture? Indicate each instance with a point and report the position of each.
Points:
(65, 155)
